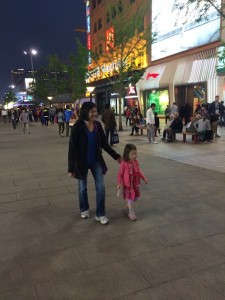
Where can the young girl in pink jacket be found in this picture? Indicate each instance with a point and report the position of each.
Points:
(129, 177)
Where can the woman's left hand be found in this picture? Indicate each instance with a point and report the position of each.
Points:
(119, 160)
(71, 174)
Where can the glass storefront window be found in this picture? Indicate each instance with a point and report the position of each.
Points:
(160, 98)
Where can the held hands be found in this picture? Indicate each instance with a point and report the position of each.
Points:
(119, 160)
(118, 190)
(145, 180)
(71, 174)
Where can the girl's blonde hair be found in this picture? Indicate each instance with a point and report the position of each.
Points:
(127, 150)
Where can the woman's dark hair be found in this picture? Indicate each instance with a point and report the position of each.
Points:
(84, 111)
(127, 150)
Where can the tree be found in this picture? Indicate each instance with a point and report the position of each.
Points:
(127, 42)
(77, 71)
(56, 67)
(200, 6)
(9, 97)
(42, 89)
(50, 80)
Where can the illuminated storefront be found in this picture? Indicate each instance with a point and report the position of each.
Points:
(183, 59)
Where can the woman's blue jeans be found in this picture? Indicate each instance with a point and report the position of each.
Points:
(96, 170)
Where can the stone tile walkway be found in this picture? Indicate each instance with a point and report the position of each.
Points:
(174, 251)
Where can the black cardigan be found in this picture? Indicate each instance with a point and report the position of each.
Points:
(78, 145)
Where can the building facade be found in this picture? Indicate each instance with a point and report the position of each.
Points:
(101, 43)
(184, 58)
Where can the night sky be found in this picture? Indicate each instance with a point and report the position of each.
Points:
(46, 25)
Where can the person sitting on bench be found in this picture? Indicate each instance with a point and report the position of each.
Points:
(167, 126)
(203, 127)
(134, 123)
(190, 126)
(175, 127)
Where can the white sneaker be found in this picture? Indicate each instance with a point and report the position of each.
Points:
(84, 214)
(154, 142)
(103, 220)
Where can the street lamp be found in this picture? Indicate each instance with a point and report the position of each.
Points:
(31, 52)
(90, 89)
(50, 98)
(12, 86)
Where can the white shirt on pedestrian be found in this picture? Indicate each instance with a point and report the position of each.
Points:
(150, 117)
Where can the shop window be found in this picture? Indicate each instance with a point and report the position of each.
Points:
(100, 48)
(95, 27)
(120, 6)
(107, 17)
(99, 24)
(113, 12)
(140, 27)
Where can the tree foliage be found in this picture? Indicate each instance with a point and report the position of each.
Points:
(199, 6)
(56, 68)
(77, 71)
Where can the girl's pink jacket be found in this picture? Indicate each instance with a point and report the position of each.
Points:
(123, 177)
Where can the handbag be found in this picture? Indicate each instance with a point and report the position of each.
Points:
(115, 137)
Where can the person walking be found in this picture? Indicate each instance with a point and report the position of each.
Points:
(108, 118)
(128, 115)
(167, 113)
(87, 140)
(14, 118)
(174, 108)
(68, 113)
(52, 113)
(157, 124)
(4, 115)
(61, 120)
(222, 114)
(150, 120)
(46, 116)
(24, 119)
(129, 177)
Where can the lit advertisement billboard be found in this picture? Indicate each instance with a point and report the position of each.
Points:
(175, 32)
(88, 20)
(29, 83)
(110, 39)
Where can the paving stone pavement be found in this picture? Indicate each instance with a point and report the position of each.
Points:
(174, 251)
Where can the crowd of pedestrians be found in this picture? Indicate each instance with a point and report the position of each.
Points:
(64, 117)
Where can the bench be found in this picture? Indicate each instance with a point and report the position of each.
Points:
(194, 136)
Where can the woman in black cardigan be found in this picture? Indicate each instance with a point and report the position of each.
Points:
(85, 152)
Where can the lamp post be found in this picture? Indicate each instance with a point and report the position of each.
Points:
(90, 89)
(31, 52)
(12, 86)
(50, 98)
